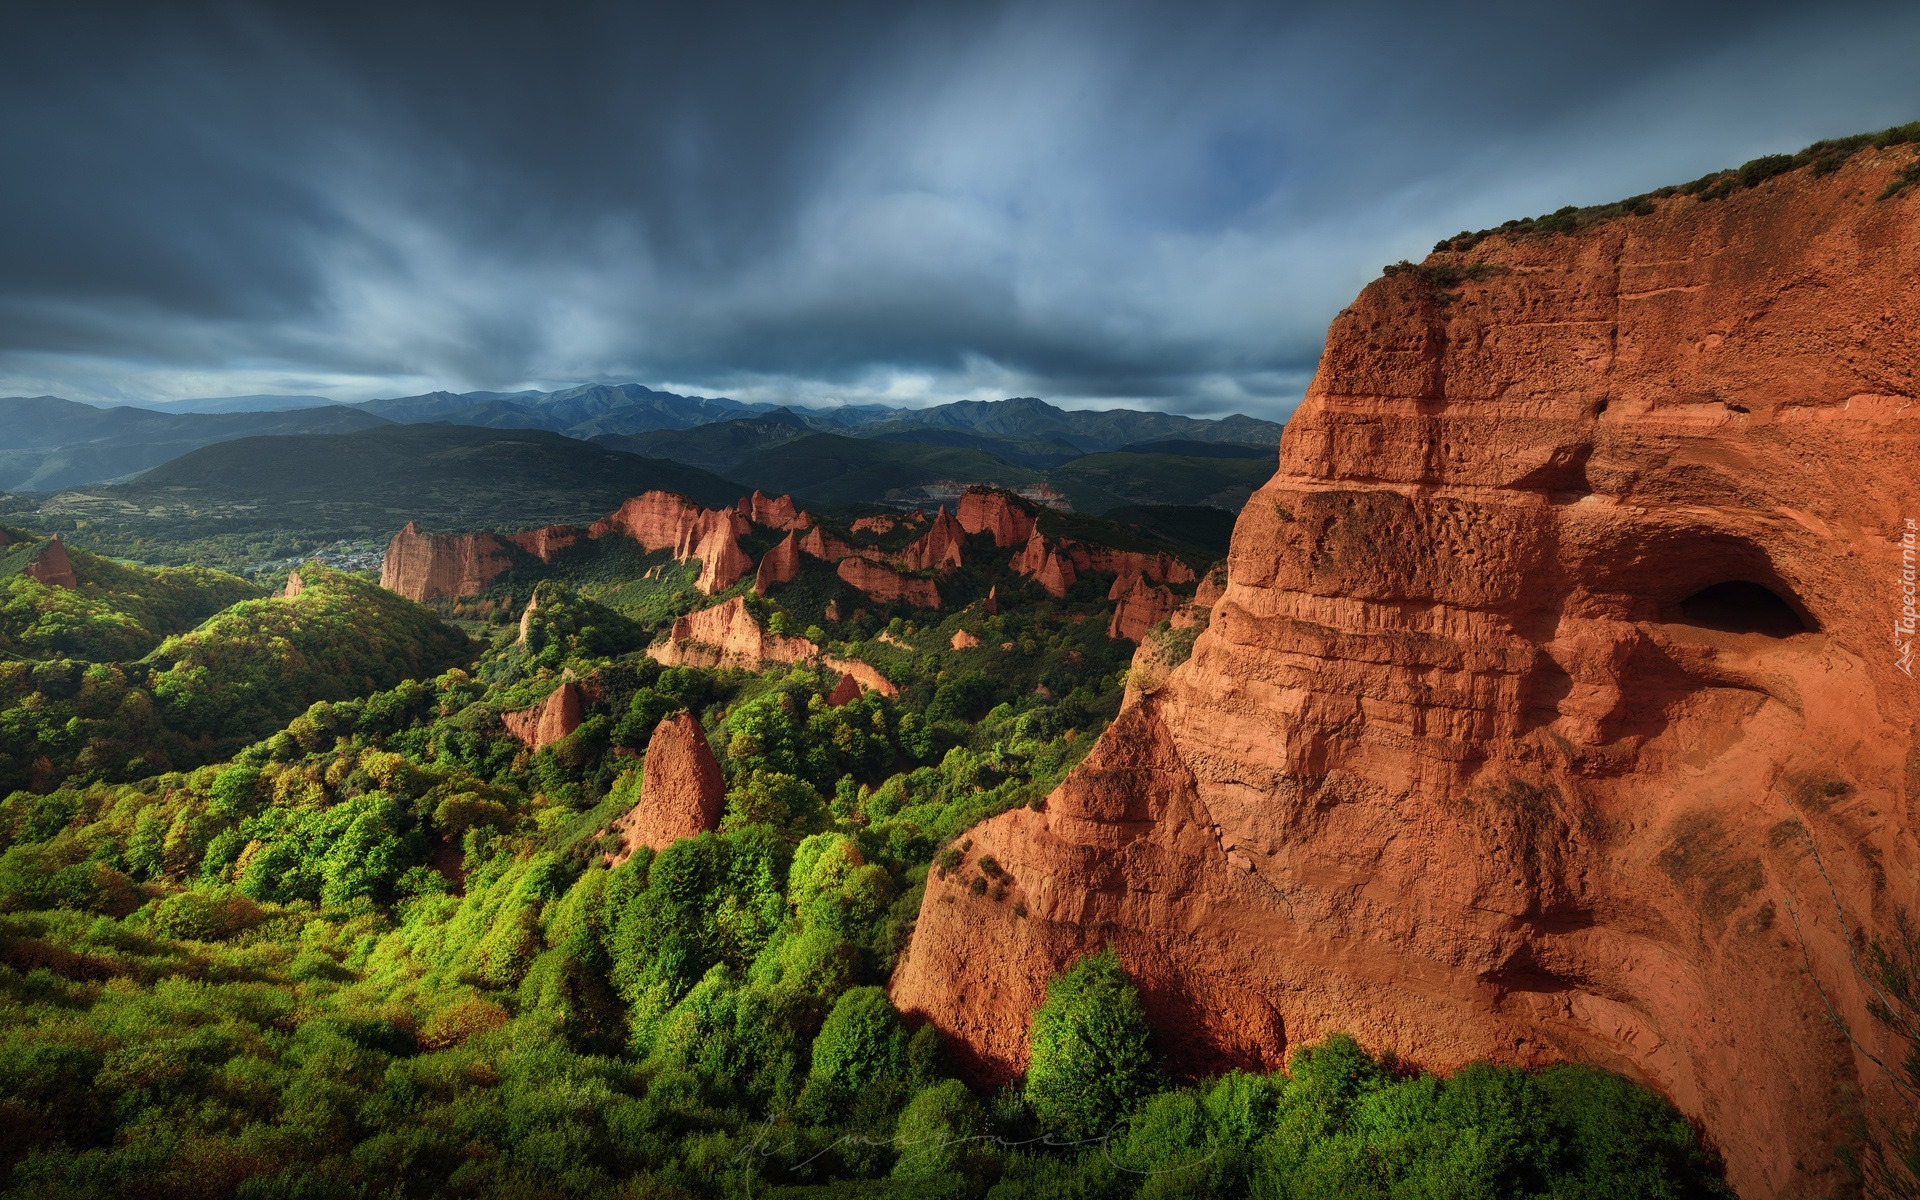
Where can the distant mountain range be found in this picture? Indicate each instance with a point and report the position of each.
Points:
(838, 456)
(48, 444)
(1029, 425)
(231, 404)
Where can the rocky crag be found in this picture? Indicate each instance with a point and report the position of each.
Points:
(553, 718)
(1550, 710)
(728, 636)
(682, 791)
(892, 559)
(52, 566)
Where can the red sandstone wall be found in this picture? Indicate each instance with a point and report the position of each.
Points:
(1452, 768)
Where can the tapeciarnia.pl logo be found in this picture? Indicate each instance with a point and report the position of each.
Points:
(1904, 619)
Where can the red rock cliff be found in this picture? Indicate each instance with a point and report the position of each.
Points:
(52, 566)
(551, 719)
(682, 792)
(667, 521)
(727, 635)
(545, 543)
(986, 510)
(1551, 683)
(431, 566)
(887, 585)
(939, 548)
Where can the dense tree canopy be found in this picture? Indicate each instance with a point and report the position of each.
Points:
(285, 912)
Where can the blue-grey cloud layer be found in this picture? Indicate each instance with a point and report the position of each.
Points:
(1158, 203)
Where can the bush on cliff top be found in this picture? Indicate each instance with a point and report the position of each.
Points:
(1825, 157)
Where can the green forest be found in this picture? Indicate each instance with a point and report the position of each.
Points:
(285, 912)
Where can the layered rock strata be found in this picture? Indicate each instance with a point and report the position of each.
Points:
(772, 512)
(1549, 710)
(940, 548)
(667, 521)
(1055, 564)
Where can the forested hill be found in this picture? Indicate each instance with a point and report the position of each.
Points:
(308, 900)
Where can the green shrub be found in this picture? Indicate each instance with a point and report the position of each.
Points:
(941, 1132)
(1091, 1062)
(205, 916)
(862, 1041)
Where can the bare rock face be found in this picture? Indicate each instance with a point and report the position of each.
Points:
(1046, 564)
(1212, 586)
(682, 792)
(727, 635)
(1550, 688)
(722, 561)
(939, 548)
(824, 546)
(962, 640)
(664, 520)
(844, 692)
(865, 675)
(1141, 607)
(434, 566)
(545, 543)
(551, 719)
(772, 513)
(988, 510)
(52, 566)
(887, 585)
(780, 565)
(295, 585)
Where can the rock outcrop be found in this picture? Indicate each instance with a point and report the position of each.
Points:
(1141, 607)
(824, 546)
(866, 675)
(779, 565)
(551, 719)
(545, 544)
(1055, 564)
(776, 513)
(682, 792)
(667, 521)
(438, 566)
(295, 585)
(52, 565)
(940, 548)
(1549, 710)
(1046, 565)
(987, 510)
(962, 640)
(887, 585)
(727, 635)
(844, 692)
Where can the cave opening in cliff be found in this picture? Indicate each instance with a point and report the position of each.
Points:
(1740, 606)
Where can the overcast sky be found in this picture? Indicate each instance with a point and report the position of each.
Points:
(1157, 205)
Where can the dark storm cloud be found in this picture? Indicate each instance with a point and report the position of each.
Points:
(1155, 203)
